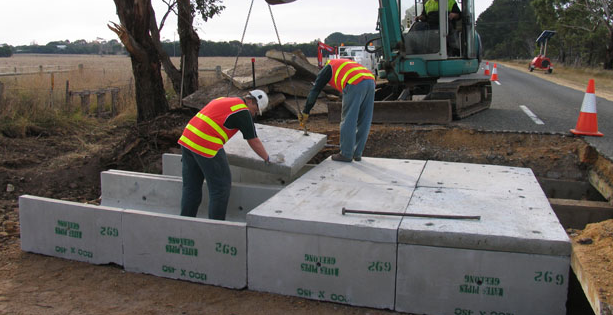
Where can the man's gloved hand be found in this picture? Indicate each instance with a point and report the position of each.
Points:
(303, 119)
(275, 159)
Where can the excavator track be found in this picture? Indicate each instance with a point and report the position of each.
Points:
(467, 96)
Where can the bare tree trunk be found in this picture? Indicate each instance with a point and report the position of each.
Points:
(190, 46)
(608, 58)
(135, 16)
(171, 71)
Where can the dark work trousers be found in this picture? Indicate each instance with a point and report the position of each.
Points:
(216, 170)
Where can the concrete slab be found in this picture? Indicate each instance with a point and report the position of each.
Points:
(171, 165)
(162, 194)
(378, 171)
(267, 71)
(292, 146)
(192, 249)
(354, 272)
(449, 281)
(313, 203)
(481, 177)
(71, 230)
(509, 223)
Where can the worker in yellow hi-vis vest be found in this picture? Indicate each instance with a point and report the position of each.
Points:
(358, 87)
(202, 150)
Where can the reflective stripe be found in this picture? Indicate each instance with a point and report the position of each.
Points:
(338, 71)
(204, 135)
(589, 103)
(196, 147)
(213, 125)
(356, 76)
(359, 75)
(237, 107)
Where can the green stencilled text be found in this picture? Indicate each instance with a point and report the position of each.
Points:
(319, 264)
(481, 285)
(67, 228)
(182, 246)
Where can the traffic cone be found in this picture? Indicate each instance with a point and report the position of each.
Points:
(587, 124)
(487, 68)
(494, 74)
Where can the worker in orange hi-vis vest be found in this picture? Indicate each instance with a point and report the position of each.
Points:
(357, 85)
(202, 150)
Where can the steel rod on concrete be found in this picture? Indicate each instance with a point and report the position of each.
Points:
(421, 215)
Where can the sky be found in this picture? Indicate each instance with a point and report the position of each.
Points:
(24, 22)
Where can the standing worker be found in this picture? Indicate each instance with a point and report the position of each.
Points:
(357, 85)
(202, 150)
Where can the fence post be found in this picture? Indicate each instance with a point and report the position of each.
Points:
(218, 71)
(1, 95)
(84, 101)
(51, 90)
(100, 102)
(114, 100)
(68, 97)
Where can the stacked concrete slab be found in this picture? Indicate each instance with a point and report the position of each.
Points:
(513, 260)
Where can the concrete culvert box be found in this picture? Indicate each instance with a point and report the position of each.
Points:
(301, 244)
(71, 230)
(514, 260)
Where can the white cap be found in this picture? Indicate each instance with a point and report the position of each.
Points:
(261, 98)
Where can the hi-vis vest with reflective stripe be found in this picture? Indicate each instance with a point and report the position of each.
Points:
(205, 133)
(432, 6)
(345, 71)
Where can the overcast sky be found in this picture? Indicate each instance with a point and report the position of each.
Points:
(23, 22)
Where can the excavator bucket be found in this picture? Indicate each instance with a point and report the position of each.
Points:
(273, 2)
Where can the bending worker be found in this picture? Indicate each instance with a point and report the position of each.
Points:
(202, 150)
(357, 85)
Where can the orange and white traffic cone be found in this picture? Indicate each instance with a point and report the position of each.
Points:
(487, 68)
(587, 124)
(494, 74)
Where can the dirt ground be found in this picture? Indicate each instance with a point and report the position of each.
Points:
(66, 165)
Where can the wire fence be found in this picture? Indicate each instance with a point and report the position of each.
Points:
(92, 91)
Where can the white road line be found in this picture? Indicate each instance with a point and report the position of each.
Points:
(531, 115)
(497, 82)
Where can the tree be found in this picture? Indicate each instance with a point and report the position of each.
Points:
(5, 50)
(584, 25)
(508, 29)
(189, 41)
(135, 17)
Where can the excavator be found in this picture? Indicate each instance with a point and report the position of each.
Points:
(416, 65)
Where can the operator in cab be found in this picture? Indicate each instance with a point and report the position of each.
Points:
(429, 14)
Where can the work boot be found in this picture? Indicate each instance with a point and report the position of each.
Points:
(357, 158)
(339, 157)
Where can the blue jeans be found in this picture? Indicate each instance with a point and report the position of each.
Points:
(356, 116)
(196, 168)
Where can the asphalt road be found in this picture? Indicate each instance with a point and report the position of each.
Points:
(554, 108)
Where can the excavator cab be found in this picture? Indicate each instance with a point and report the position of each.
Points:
(415, 54)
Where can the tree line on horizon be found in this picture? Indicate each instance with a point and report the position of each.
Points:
(508, 30)
(173, 49)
